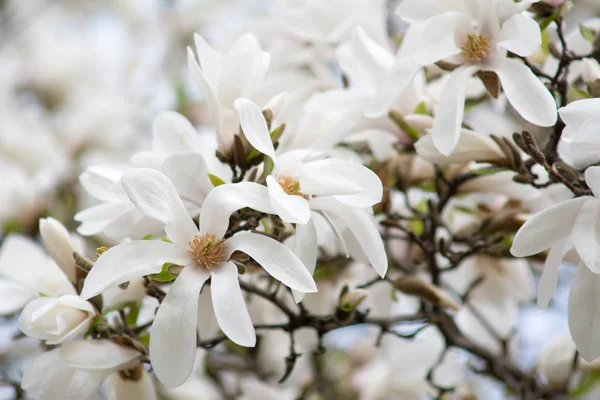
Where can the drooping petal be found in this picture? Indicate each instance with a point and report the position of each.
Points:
(361, 226)
(290, 208)
(131, 260)
(521, 35)
(223, 200)
(592, 179)
(230, 308)
(526, 93)
(586, 234)
(438, 37)
(97, 354)
(254, 126)
(304, 245)
(575, 114)
(154, 195)
(450, 110)
(189, 174)
(275, 258)
(549, 276)
(330, 177)
(173, 338)
(584, 314)
(546, 228)
(470, 147)
(101, 181)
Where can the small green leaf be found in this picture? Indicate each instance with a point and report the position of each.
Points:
(164, 275)
(487, 170)
(394, 295)
(215, 180)
(147, 237)
(119, 306)
(401, 123)
(550, 19)
(421, 109)
(587, 33)
(588, 382)
(268, 166)
(144, 339)
(347, 307)
(255, 153)
(166, 239)
(132, 315)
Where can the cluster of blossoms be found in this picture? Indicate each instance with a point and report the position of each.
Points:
(340, 207)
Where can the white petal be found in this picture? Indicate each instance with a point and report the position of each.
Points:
(173, 337)
(450, 110)
(546, 228)
(101, 181)
(578, 112)
(210, 60)
(549, 276)
(584, 313)
(362, 228)
(330, 177)
(131, 260)
(592, 179)
(223, 200)
(275, 258)
(254, 126)
(346, 100)
(391, 87)
(118, 388)
(97, 354)
(585, 139)
(13, 297)
(526, 93)
(521, 35)
(57, 242)
(189, 174)
(290, 208)
(304, 245)
(205, 86)
(586, 234)
(172, 132)
(437, 37)
(421, 10)
(470, 147)
(154, 195)
(230, 307)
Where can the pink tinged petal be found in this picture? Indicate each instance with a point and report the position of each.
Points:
(450, 110)
(592, 179)
(131, 260)
(547, 227)
(438, 37)
(223, 200)
(205, 87)
(230, 307)
(290, 208)
(189, 174)
(275, 258)
(97, 354)
(586, 234)
(361, 226)
(173, 338)
(304, 245)
(526, 93)
(549, 276)
(578, 112)
(584, 313)
(154, 195)
(521, 35)
(119, 388)
(254, 126)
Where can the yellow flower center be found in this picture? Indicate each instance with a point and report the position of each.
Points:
(290, 185)
(476, 48)
(206, 250)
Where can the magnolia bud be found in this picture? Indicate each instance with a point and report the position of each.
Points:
(58, 243)
(426, 291)
(56, 319)
(590, 71)
(352, 299)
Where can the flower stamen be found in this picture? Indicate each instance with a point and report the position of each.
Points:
(207, 250)
(290, 185)
(476, 48)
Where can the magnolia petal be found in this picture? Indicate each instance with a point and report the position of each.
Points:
(438, 37)
(330, 177)
(450, 110)
(131, 260)
(172, 132)
(592, 179)
(290, 208)
(120, 388)
(254, 126)
(586, 234)
(275, 258)
(546, 228)
(549, 276)
(521, 35)
(391, 87)
(470, 147)
(526, 93)
(575, 114)
(210, 60)
(223, 200)
(154, 195)
(97, 354)
(304, 246)
(101, 181)
(585, 139)
(203, 84)
(57, 242)
(335, 100)
(362, 228)
(189, 174)
(584, 314)
(173, 339)
(13, 297)
(230, 308)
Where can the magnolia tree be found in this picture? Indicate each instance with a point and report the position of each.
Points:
(364, 215)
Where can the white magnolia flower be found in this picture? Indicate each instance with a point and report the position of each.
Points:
(579, 138)
(223, 78)
(76, 369)
(204, 254)
(478, 39)
(56, 320)
(116, 217)
(58, 244)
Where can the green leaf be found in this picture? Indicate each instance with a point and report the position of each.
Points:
(401, 123)
(394, 295)
(321, 273)
(586, 384)
(550, 19)
(255, 153)
(488, 170)
(215, 180)
(421, 109)
(144, 339)
(119, 306)
(164, 275)
(268, 166)
(347, 307)
(95, 322)
(147, 237)
(166, 239)
(587, 33)
(132, 315)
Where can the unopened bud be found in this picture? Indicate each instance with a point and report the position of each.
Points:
(352, 299)
(58, 244)
(426, 291)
